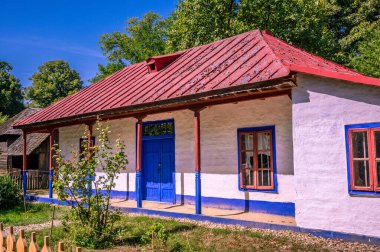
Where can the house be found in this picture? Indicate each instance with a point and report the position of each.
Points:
(11, 150)
(248, 122)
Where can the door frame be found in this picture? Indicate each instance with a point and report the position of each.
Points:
(146, 139)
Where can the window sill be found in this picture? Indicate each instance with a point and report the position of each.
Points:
(260, 190)
(366, 194)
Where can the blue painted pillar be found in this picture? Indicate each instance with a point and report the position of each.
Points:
(51, 164)
(138, 162)
(24, 165)
(197, 162)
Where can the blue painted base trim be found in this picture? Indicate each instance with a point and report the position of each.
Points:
(198, 193)
(138, 190)
(124, 195)
(51, 173)
(277, 208)
(24, 182)
(252, 224)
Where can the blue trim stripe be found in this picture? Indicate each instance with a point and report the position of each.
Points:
(346, 133)
(252, 224)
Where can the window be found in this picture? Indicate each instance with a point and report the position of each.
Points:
(256, 159)
(364, 157)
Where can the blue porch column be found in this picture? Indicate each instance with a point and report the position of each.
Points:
(138, 162)
(51, 163)
(197, 162)
(24, 164)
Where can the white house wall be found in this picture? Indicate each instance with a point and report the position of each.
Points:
(219, 156)
(321, 109)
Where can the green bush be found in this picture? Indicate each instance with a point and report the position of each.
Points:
(156, 235)
(10, 195)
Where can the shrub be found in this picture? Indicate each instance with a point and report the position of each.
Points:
(156, 235)
(91, 219)
(10, 195)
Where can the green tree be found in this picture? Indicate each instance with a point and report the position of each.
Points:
(3, 119)
(104, 71)
(53, 81)
(143, 38)
(10, 91)
(367, 59)
(198, 22)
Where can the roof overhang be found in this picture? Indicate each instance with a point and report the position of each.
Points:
(257, 90)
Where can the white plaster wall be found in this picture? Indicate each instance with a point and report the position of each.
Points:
(321, 108)
(219, 158)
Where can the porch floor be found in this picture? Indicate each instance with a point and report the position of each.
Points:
(190, 209)
(208, 211)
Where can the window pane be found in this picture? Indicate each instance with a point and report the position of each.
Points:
(359, 144)
(247, 159)
(246, 142)
(264, 178)
(263, 141)
(247, 177)
(263, 160)
(361, 173)
(377, 143)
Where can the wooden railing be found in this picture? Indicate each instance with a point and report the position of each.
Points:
(35, 179)
(10, 244)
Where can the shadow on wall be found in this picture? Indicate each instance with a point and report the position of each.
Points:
(337, 88)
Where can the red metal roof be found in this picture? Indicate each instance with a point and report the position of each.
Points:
(250, 57)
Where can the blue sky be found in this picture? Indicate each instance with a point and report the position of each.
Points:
(35, 31)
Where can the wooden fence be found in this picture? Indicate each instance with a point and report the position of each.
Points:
(10, 244)
(36, 179)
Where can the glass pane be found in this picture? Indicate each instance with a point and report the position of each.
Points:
(263, 160)
(378, 173)
(263, 141)
(247, 159)
(359, 144)
(264, 178)
(377, 143)
(246, 142)
(361, 173)
(247, 177)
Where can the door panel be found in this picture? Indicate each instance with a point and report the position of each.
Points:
(151, 173)
(158, 168)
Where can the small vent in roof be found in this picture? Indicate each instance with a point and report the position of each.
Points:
(157, 63)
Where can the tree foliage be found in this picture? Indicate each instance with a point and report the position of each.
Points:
(367, 60)
(104, 71)
(53, 81)
(143, 38)
(91, 219)
(11, 98)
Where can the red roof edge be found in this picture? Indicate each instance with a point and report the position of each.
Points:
(334, 75)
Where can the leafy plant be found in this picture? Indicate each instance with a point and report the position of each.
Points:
(10, 195)
(156, 235)
(91, 217)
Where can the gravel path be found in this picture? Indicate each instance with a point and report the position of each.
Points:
(302, 238)
(32, 227)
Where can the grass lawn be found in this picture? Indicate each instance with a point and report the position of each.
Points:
(35, 213)
(186, 236)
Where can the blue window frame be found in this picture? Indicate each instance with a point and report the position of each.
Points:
(257, 159)
(363, 158)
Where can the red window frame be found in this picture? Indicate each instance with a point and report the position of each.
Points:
(256, 169)
(371, 160)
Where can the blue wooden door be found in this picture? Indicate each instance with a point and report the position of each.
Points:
(158, 170)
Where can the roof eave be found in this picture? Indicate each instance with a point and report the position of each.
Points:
(273, 85)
